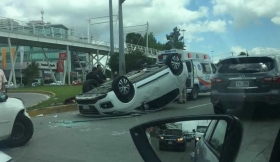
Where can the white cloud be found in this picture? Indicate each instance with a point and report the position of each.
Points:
(244, 12)
(161, 15)
(255, 51)
(217, 26)
(276, 20)
(237, 49)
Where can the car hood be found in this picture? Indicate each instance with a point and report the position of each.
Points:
(4, 157)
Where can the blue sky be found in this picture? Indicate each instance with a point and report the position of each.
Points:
(222, 26)
(259, 33)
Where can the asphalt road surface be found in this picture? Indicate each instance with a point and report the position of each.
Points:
(67, 137)
(30, 99)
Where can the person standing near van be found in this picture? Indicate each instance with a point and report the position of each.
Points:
(183, 96)
(3, 81)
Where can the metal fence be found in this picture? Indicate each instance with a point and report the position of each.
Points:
(59, 31)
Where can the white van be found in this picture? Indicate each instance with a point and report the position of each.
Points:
(200, 69)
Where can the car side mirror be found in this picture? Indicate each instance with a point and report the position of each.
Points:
(154, 149)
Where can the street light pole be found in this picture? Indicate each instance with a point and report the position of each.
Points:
(184, 37)
(122, 70)
(147, 39)
(111, 28)
(212, 55)
(88, 30)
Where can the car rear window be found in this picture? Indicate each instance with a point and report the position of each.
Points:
(247, 65)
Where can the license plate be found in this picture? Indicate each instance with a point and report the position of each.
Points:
(170, 143)
(242, 83)
(86, 107)
(164, 57)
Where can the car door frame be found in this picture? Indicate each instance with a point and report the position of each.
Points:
(207, 141)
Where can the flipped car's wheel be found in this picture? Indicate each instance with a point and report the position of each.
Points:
(89, 85)
(173, 61)
(219, 109)
(22, 131)
(139, 64)
(194, 93)
(123, 88)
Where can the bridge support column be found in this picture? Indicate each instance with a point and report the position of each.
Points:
(12, 62)
(82, 68)
(98, 57)
(68, 65)
(49, 64)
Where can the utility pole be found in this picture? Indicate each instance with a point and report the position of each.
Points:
(88, 30)
(42, 12)
(184, 37)
(231, 53)
(111, 28)
(147, 39)
(122, 70)
(212, 55)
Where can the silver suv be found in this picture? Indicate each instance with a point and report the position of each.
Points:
(246, 79)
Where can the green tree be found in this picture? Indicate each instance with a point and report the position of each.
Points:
(130, 60)
(174, 40)
(134, 38)
(152, 42)
(31, 72)
(137, 39)
(242, 54)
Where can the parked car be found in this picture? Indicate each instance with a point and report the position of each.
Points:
(57, 83)
(151, 88)
(246, 79)
(15, 124)
(35, 84)
(11, 85)
(77, 82)
(173, 139)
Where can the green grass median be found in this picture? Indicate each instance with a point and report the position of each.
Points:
(57, 94)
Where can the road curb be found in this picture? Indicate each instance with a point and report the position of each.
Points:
(52, 110)
(35, 91)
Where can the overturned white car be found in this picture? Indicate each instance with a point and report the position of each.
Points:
(150, 88)
(16, 128)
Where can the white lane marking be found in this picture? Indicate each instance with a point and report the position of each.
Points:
(198, 106)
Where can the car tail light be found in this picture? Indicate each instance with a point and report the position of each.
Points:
(216, 80)
(160, 57)
(271, 79)
(189, 55)
(205, 57)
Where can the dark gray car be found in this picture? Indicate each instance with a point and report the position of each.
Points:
(246, 79)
